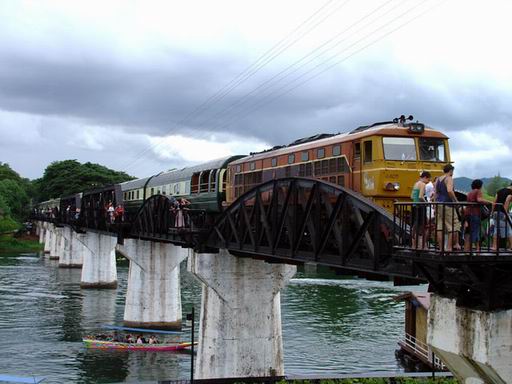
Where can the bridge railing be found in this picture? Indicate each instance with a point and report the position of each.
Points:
(453, 228)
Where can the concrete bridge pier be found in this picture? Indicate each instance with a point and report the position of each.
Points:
(99, 261)
(42, 228)
(240, 324)
(48, 233)
(153, 296)
(55, 242)
(475, 345)
(72, 249)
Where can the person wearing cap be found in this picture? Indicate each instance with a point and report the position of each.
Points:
(447, 220)
(502, 227)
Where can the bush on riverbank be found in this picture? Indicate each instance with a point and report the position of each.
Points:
(7, 224)
(10, 243)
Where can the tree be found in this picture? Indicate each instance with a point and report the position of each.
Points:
(62, 178)
(7, 173)
(14, 196)
(495, 184)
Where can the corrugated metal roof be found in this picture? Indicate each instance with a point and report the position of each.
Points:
(178, 175)
(133, 184)
(422, 298)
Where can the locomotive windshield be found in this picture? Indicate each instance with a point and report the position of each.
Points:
(432, 149)
(399, 148)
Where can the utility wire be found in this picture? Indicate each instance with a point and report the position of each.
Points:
(277, 95)
(283, 73)
(247, 73)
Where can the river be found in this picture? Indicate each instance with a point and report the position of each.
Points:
(331, 325)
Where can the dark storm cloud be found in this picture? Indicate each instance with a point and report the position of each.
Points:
(105, 92)
(151, 97)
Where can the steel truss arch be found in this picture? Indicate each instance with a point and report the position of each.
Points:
(301, 220)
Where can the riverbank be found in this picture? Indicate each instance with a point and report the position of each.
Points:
(24, 243)
(356, 380)
(391, 380)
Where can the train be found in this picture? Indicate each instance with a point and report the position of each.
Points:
(381, 161)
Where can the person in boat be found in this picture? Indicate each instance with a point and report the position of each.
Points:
(116, 338)
(141, 340)
(153, 339)
(128, 339)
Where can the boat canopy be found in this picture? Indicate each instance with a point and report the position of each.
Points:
(120, 328)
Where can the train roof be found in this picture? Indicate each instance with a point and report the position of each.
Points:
(49, 203)
(178, 174)
(386, 128)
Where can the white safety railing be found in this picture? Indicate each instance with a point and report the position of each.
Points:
(421, 349)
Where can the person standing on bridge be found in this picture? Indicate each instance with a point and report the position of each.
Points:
(473, 215)
(447, 220)
(119, 214)
(419, 211)
(502, 227)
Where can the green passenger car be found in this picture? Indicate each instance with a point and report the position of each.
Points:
(204, 185)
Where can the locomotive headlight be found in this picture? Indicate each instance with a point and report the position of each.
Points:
(392, 186)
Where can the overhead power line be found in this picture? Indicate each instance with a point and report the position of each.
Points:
(263, 60)
(296, 83)
(289, 70)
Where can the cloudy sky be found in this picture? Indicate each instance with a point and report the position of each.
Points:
(144, 86)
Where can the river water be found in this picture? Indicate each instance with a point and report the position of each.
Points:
(331, 325)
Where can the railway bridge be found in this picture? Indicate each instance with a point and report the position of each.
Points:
(245, 255)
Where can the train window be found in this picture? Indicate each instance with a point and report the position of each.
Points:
(288, 171)
(325, 167)
(238, 168)
(305, 170)
(213, 180)
(341, 180)
(368, 155)
(357, 150)
(138, 194)
(203, 185)
(152, 192)
(432, 149)
(274, 162)
(336, 150)
(252, 166)
(309, 168)
(341, 165)
(399, 148)
(332, 179)
(304, 156)
(224, 180)
(320, 153)
(291, 158)
(318, 168)
(195, 182)
(176, 188)
(125, 195)
(332, 166)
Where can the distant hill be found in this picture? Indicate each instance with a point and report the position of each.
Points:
(464, 183)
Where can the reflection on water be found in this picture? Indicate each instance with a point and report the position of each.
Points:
(330, 325)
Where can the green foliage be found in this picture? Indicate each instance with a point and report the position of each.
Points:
(66, 177)
(7, 173)
(495, 184)
(5, 211)
(15, 197)
(8, 225)
(9, 243)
